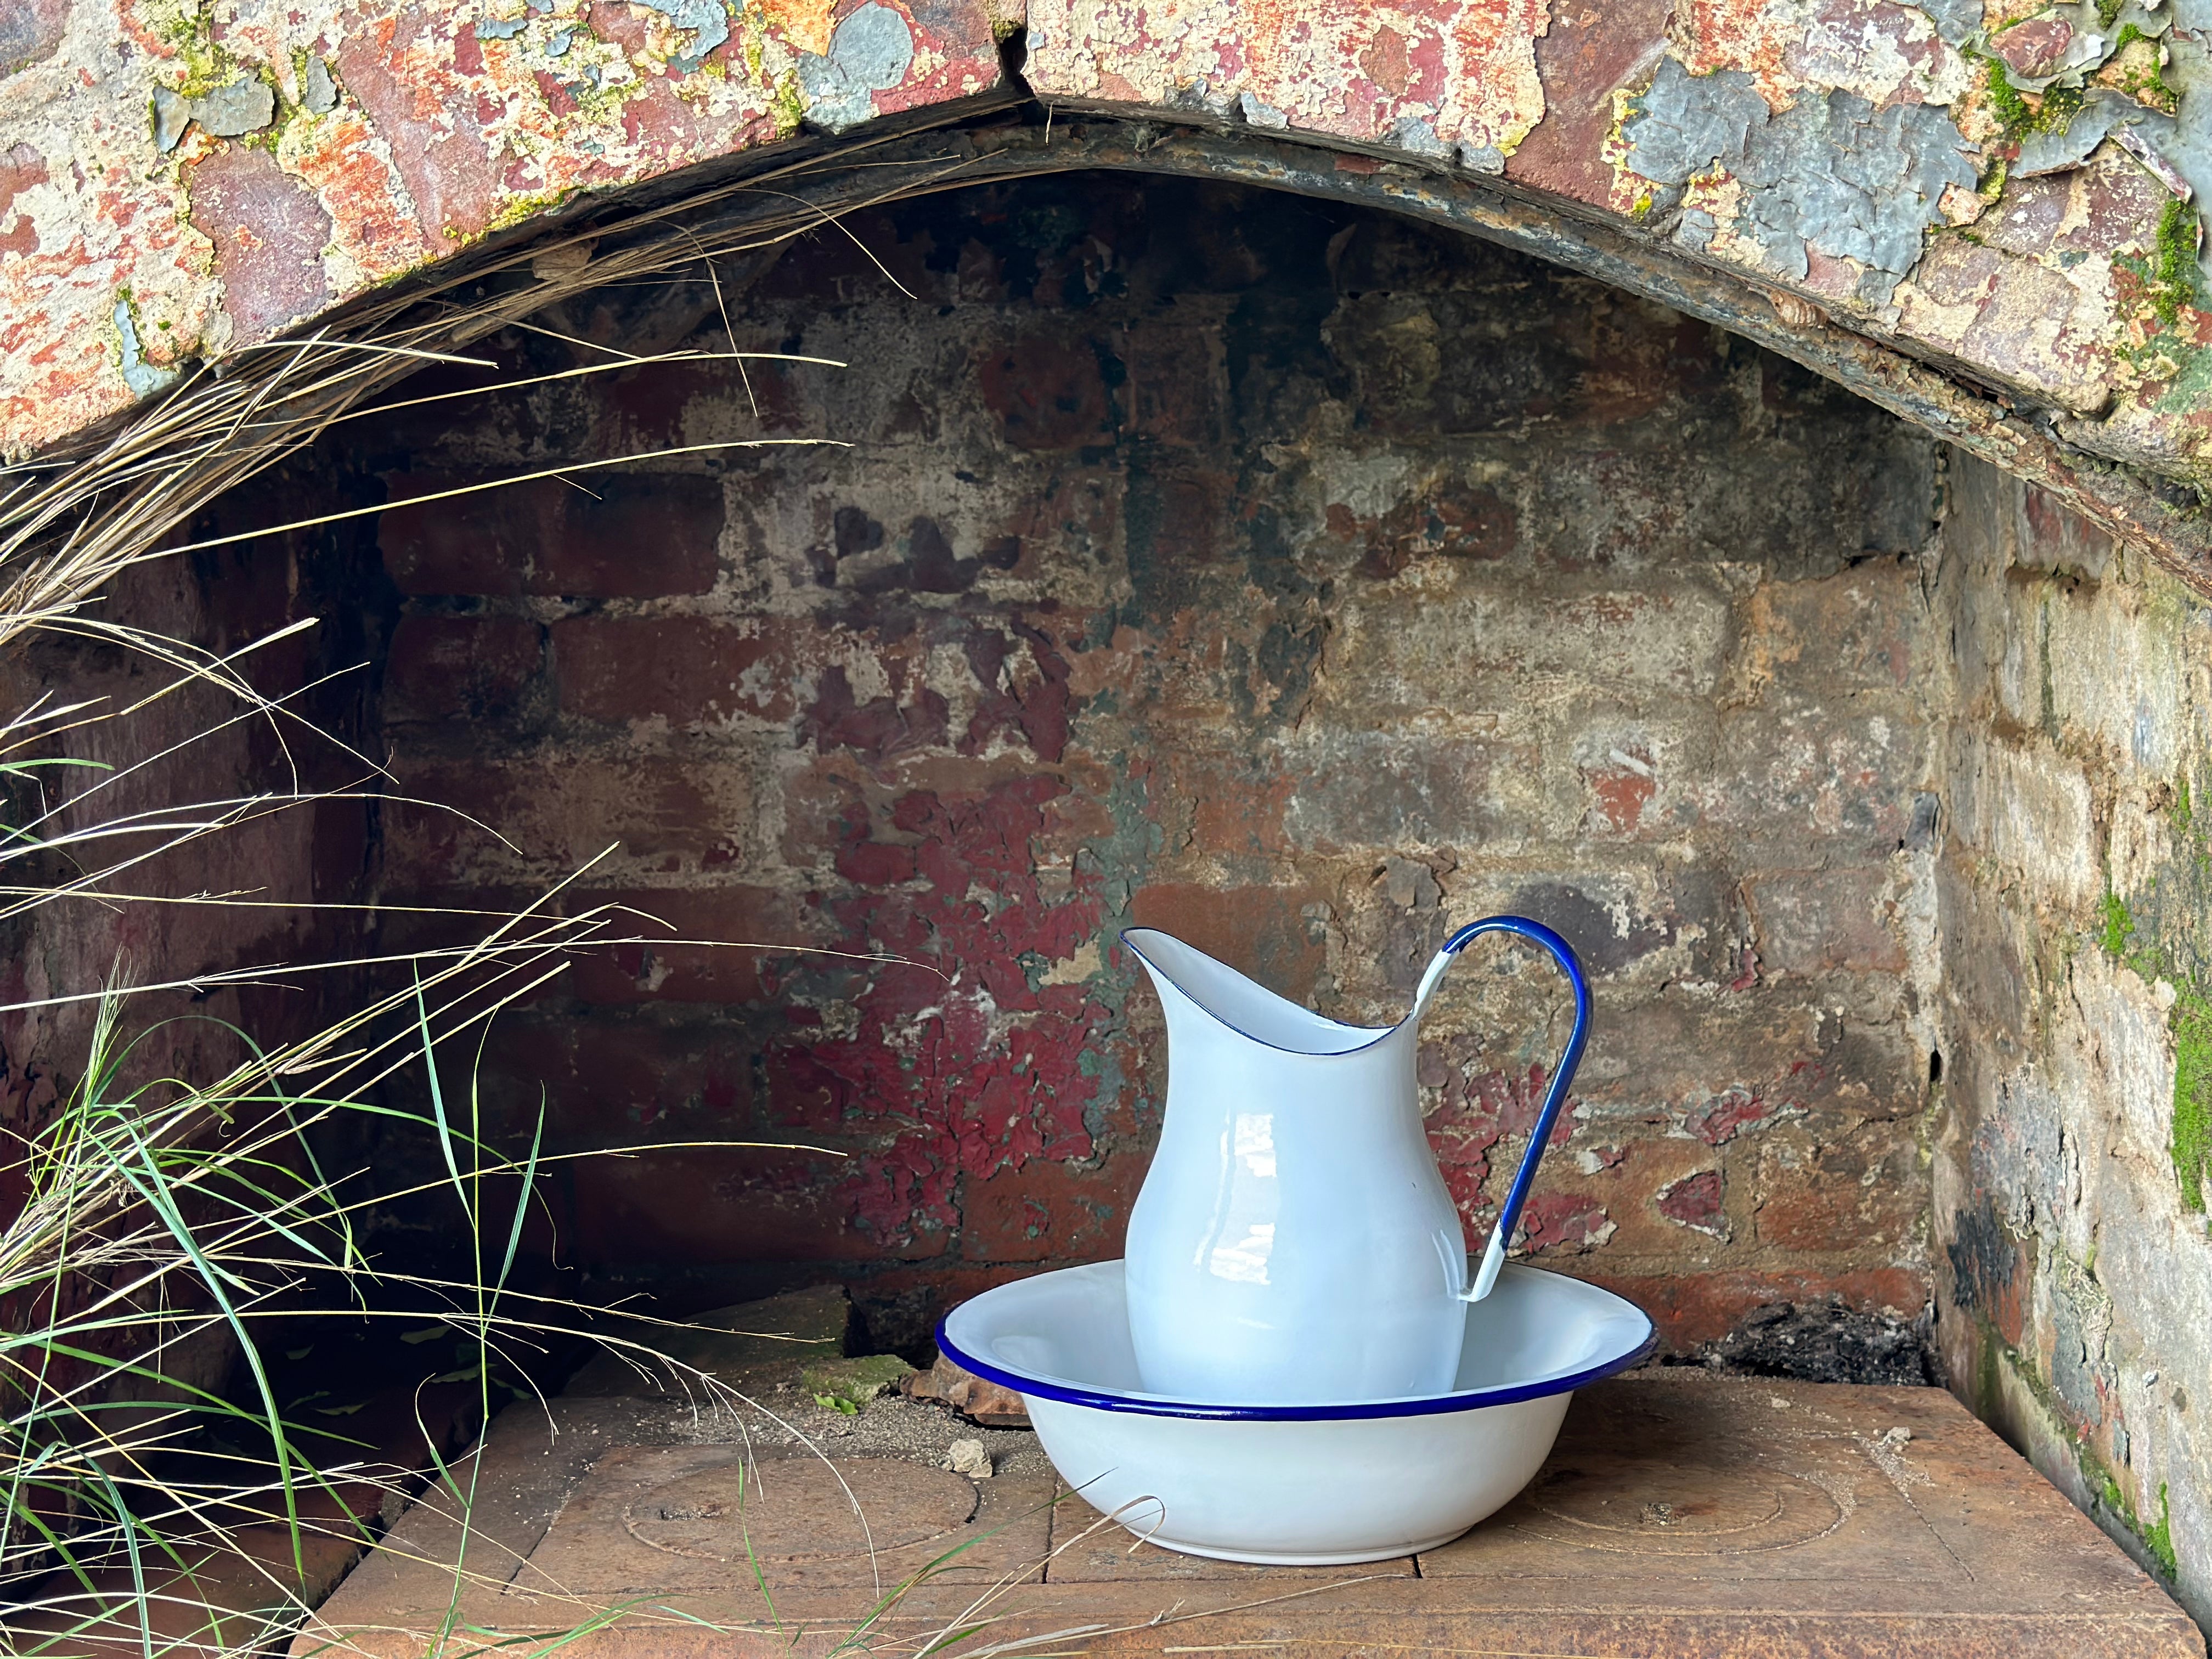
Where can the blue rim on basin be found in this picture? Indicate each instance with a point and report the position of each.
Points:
(1039, 1386)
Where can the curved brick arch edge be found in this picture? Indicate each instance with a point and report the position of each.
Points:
(1004, 135)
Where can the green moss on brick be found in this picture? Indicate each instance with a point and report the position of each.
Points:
(2159, 1539)
(788, 105)
(2191, 1020)
(2151, 82)
(2119, 926)
(2005, 102)
(2173, 268)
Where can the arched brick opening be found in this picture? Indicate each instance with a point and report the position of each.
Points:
(2042, 681)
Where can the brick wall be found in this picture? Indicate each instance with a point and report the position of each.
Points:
(171, 758)
(2071, 1180)
(1303, 581)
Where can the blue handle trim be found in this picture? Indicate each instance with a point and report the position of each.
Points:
(1536, 934)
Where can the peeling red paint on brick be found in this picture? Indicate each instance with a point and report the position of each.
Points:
(269, 230)
(1695, 1201)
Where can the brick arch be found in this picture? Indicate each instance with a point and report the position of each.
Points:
(1845, 187)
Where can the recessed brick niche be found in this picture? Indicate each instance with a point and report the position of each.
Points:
(1299, 579)
(1305, 580)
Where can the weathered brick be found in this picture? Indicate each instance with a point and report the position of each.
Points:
(1857, 631)
(1783, 776)
(460, 668)
(1421, 656)
(1045, 1211)
(558, 813)
(1816, 922)
(737, 932)
(1046, 388)
(1173, 389)
(618, 535)
(609, 1081)
(1695, 1306)
(1263, 932)
(1852, 1194)
(1351, 788)
(707, 1205)
(2029, 809)
(1695, 1201)
(1304, 597)
(2051, 538)
(684, 670)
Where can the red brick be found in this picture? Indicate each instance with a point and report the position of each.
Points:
(1047, 1212)
(741, 916)
(559, 813)
(1258, 931)
(1694, 1307)
(610, 1082)
(684, 670)
(452, 668)
(1173, 385)
(2052, 537)
(633, 536)
(718, 1206)
(1632, 1172)
(1695, 1201)
(1858, 1191)
(1621, 787)
(1563, 1224)
(1236, 808)
(1852, 632)
(1047, 391)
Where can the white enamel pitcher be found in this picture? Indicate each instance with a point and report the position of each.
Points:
(1293, 1243)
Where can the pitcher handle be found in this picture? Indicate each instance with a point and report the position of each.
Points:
(1536, 934)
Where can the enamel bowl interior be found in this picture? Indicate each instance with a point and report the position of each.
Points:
(1301, 1485)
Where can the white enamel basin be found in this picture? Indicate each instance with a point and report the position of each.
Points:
(1308, 1484)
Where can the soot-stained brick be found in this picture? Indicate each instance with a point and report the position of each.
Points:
(1827, 1341)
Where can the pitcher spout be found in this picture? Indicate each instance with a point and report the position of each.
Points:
(1190, 983)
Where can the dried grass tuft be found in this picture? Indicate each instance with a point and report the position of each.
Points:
(141, 1508)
